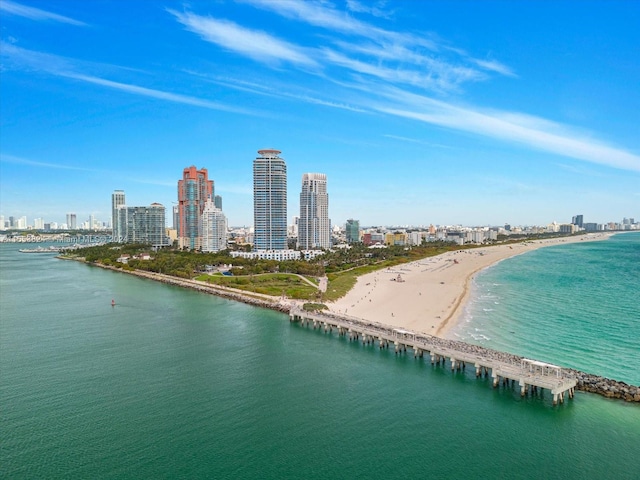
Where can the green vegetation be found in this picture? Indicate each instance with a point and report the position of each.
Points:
(268, 277)
(314, 307)
(274, 284)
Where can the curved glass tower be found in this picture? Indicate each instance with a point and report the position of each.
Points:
(269, 201)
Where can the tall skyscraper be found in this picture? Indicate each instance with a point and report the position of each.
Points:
(117, 200)
(72, 221)
(194, 190)
(352, 231)
(314, 228)
(269, 201)
(214, 228)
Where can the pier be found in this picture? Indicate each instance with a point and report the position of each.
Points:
(531, 375)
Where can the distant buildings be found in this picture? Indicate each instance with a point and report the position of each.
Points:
(352, 231)
(578, 220)
(72, 221)
(269, 201)
(194, 190)
(314, 226)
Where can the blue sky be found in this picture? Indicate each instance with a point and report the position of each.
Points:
(419, 112)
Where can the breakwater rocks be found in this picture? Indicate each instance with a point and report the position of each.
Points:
(605, 386)
(586, 382)
(252, 299)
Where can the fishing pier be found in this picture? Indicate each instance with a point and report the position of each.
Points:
(531, 375)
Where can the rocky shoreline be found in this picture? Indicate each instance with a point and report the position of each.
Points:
(586, 382)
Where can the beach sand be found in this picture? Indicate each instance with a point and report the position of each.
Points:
(428, 295)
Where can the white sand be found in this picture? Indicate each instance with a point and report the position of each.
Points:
(432, 292)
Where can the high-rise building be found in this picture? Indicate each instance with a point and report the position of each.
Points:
(314, 228)
(214, 228)
(194, 190)
(578, 220)
(176, 217)
(72, 221)
(217, 200)
(117, 200)
(352, 230)
(143, 224)
(269, 201)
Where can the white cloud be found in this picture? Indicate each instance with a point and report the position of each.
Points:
(259, 46)
(159, 94)
(541, 135)
(372, 8)
(419, 59)
(494, 66)
(279, 91)
(438, 78)
(32, 13)
(67, 68)
(319, 15)
(5, 158)
(415, 140)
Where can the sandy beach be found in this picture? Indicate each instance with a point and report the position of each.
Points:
(428, 295)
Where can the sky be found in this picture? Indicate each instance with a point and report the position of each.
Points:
(419, 112)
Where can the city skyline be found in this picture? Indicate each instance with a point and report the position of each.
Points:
(452, 112)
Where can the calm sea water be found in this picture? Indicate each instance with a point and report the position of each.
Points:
(171, 383)
(577, 305)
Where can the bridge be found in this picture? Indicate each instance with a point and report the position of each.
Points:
(530, 375)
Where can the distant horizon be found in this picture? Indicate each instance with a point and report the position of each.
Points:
(459, 113)
(364, 227)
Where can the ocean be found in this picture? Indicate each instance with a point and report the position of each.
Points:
(577, 305)
(171, 383)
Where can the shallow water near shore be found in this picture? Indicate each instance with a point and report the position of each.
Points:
(576, 305)
(172, 383)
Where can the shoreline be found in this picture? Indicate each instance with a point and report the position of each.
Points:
(429, 295)
(586, 382)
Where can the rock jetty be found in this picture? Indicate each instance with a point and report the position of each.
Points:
(586, 382)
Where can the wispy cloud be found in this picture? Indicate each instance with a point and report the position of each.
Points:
(5, 158)
(280, 92)
(32, 13)
(319, 15)
(377, 9)
(68, 68)
(416, 140)
(259, 46)
(386, 60)
(421, 60)
(159, 94)
(539, 134)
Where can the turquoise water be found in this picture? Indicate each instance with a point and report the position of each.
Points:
(576, 305)
(171, 383)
